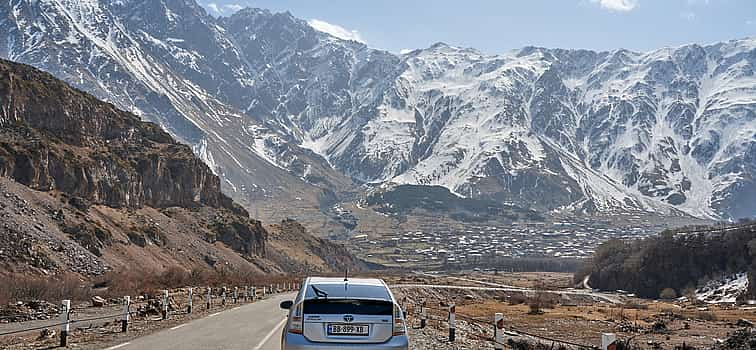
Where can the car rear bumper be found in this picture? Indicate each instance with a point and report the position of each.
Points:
(299, 342)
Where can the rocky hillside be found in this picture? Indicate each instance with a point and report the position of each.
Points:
(87, 188)
(282, 111)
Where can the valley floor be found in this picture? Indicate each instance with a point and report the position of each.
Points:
(550, 311)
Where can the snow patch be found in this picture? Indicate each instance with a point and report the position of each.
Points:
(725, 290)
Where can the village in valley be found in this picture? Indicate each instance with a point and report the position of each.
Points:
(445, 243)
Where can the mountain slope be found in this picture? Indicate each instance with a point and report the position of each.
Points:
(281, 111)
(148, 57)
(88, 188)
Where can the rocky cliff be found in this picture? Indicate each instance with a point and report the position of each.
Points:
(57, 138)
(95, 189)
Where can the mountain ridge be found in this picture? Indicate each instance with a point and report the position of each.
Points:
(557, 130)
(88, 188)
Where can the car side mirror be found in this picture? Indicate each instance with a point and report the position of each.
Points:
(286, 305)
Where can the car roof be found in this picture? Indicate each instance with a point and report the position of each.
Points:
(353, 288)
(351, 281)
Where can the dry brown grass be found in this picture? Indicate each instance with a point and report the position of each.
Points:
(116, 284)
(125, 283)
(18, 287)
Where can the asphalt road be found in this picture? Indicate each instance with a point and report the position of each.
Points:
(255, 326)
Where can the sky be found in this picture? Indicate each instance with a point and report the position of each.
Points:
(498, 26)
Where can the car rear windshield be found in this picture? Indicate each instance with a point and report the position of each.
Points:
(347, 291)
(348, 306)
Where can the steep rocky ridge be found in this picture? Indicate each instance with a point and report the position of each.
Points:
(87, 188)
(281, 111)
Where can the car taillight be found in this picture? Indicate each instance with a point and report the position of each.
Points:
(399, 328)
(295, 326)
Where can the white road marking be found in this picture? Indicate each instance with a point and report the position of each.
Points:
(215, 314)
(271, 334)
(117, 346)
(179, 326)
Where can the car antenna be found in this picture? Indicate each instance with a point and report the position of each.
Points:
(346, 275)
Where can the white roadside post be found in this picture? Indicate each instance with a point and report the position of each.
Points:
(65, 321)
(223, 296)
(207, 298)
(608, 341)
(165, 304)
(499, 331)
(452, 322)
(254, 293)
(246, 294)
(126, 314)
(263, 291)
(189, 304)
(236, 295)
(423, 315)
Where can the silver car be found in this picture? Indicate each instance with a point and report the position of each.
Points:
(339, 313)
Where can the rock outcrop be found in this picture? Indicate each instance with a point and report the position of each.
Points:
(55, 137)
(96, 189)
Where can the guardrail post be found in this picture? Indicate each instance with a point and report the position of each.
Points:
(423, 315)
(126, 314)
(165, 304)
(207, 298)
(189, 303)
(499, 331)
(223, 296)
(236, 295)
(65, 321)
(246, 294)
(278, 288)
(608, 341)
(254, 293)
(263, 291)
(452, 322)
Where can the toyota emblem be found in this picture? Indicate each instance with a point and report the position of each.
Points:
(348, 318)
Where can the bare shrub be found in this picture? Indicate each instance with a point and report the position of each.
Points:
(517, 299)
(20, 288)
(668, 293)
(635, 306)
(705, 316)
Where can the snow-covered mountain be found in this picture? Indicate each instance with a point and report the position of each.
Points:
(274, 105)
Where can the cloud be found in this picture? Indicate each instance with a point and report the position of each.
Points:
(336, 30)
(688, 16)
(617, 5)
(223, 9)
(750, 22)
(213, 7)
(233, 7)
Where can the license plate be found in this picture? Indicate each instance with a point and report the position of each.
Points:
(348, 329)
